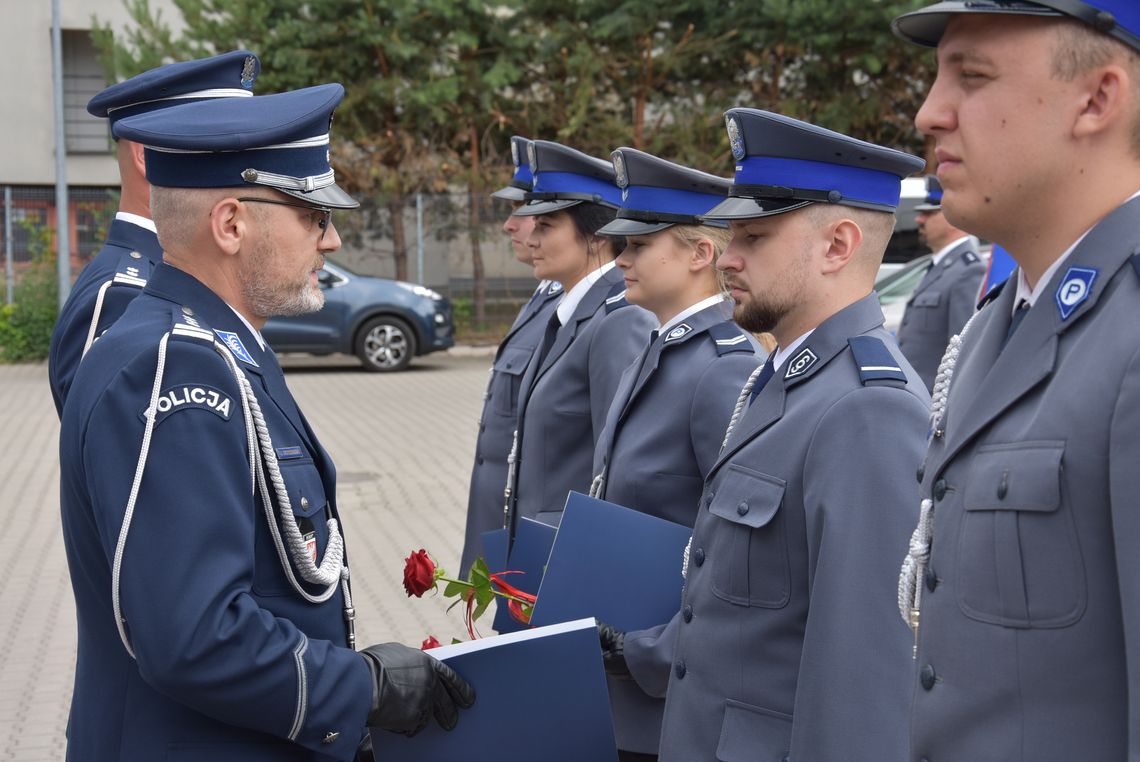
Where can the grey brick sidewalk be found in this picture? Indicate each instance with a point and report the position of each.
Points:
(403, 446)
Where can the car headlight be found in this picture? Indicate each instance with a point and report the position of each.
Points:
(423, 291)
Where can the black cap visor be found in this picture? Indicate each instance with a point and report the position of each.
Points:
(330, 196)
(510, 193)
(745, 208)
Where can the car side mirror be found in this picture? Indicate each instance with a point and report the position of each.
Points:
(325, 278)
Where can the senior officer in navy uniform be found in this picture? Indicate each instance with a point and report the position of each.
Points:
(500, 402)
(119, 271)
(591, 337)
(1023, 578)
(787, 646)
(947, 295)
(199, 510)
(668, 417)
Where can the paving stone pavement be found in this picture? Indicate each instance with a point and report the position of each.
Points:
(402, 443)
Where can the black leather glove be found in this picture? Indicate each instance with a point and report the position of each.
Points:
(410, 687)
(613, 651)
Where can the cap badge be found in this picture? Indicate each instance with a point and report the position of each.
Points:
(515, 153)
(1074, 289)
(248, 72)
(621, 178)
(735, 139)
(532, 157)
(682, 330)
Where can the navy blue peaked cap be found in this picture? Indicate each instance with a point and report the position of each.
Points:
(564, 177)
(224, 76)
(657, 194)
(1116, 18)
(784, 164)
(522, 181)
(933, 200)
(280, 141)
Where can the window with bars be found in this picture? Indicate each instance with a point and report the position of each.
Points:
(82, 79)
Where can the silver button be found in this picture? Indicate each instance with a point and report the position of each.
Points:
(187, 311)
(136, 255)
(304, 504)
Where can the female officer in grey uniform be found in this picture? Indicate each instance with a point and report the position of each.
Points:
(668, 418)
(593, 335)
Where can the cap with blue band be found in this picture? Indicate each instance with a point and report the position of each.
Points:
(523, 179)
(279, 141)
(784, 164)
(223, 76)
(657, 194)
(933, 200)
(1119, 19)
(564, 177)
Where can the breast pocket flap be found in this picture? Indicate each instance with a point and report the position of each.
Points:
(747, 497)
(306, 491)
(928, 299)
(513, 360)
(1025, 476)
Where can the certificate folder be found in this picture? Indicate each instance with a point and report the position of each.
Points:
(540, 695)
(610, 562)
(531, 550)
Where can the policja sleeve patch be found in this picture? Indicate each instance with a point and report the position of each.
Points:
(191, 397)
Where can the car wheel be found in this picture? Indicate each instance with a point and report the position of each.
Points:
(385, 344)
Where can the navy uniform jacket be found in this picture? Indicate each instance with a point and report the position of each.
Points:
(788, 642)
(564, 400)
(498, 420)
(1030, 638)
(125, 261)
(941, 304)
(662, 436)
(231, 661)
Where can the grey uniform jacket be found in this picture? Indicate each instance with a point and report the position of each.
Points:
(565, 398)
(1029, 644)
(661, 437)
(939, 307)
(788, 642)
(497, 422)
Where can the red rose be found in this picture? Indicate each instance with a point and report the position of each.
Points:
(430, 643)
(419, 573)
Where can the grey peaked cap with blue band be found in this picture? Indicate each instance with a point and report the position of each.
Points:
(657, 194)
(280, 141)
(565, 177)
(522, 181)
(223, 76)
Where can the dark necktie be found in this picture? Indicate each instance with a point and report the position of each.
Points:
(1015, 321)
(548, 338)
(765, 376)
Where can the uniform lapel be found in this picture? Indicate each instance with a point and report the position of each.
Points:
(528, 313)
(586, 308)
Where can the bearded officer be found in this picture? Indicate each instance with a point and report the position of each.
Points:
(1023, 578)
(121, 268)
(500, 402)
(947, 295)
(199, 509)
(785, 647)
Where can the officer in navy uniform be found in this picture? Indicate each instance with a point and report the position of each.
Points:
(785, 647)
(1023, 577)
(500, 403)
(118, 272)
(946, 296)
(667, 421)
(199, 509)
(591, 338)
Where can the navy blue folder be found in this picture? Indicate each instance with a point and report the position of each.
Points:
(540, 695)
(610, 562)
(533, 540)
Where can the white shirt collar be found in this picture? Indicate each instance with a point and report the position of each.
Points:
(782, 353)
(574, 296)
(256, 333)
(941, 255)
(702, 304)
(1031, 295)
(134, 219)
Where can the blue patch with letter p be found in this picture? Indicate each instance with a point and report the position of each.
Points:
(1075, 288)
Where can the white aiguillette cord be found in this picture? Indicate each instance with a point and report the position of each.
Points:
(332, 570)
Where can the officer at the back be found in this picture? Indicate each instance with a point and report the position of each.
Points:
(118, 272)
(1024, 579)
(500, 403)
(785, 648)
(947, 295)
(199, 509)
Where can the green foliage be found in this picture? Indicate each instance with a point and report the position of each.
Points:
(26, 324)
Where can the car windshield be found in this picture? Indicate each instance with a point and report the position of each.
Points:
(900, 284)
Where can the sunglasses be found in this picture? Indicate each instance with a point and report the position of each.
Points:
(321, 216)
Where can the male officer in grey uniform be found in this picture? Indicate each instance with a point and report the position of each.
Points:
(785, 645)
(947, 295)
(500, 403)
(199, 509)
(1023, 577)
(119, 271)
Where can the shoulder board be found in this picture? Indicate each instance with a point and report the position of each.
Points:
(185, 325)
(992, 294)
(1135, 259)
(969, 257)
(133, 270)
(874, 360)
(615, 300)
(729, 337)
